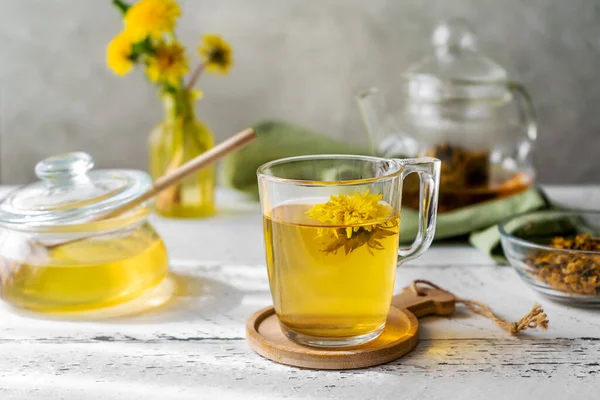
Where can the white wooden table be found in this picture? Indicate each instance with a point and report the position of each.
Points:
(194, 348)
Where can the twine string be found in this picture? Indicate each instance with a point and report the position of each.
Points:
(534, 319)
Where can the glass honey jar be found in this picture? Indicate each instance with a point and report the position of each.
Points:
(56, 256)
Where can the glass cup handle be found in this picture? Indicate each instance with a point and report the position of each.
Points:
(526, 107)
(428, 169)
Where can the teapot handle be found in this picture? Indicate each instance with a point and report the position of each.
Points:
(526, 107)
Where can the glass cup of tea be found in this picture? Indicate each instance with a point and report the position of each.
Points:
(332, 225)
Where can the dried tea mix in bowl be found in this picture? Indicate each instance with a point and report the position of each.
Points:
(573, 272)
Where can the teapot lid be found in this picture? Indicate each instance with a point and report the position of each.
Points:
(455, 62)
(69, 193)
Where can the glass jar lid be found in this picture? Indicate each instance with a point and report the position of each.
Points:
(70, 193)
(456, 70)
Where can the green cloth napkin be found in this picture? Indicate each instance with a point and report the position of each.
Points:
(479, 221)
(276, 139)
(279, 139)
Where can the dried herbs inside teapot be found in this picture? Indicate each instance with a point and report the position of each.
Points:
(466, 178)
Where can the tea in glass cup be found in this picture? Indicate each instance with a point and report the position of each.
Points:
(332, 226)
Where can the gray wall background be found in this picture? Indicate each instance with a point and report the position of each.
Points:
(297, 60)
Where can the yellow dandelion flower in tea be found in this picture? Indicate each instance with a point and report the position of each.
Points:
(118, 55)
(354, 221)
(151, 18)
(356, 211)
(216, 53)
(168, 64)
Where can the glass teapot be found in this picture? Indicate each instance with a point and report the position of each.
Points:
(459, 106)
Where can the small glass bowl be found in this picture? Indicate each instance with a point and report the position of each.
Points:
(571, 276)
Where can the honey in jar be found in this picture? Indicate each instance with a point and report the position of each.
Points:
(55, 258)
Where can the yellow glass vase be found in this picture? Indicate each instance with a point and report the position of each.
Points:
(178, 139)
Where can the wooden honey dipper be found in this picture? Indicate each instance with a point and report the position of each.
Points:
(177, 175)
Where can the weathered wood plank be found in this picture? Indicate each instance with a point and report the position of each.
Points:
(175, 369)
(220, 298)
(235, 235)
(194, 347)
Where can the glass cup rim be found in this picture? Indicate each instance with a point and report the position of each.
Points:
(262, 170)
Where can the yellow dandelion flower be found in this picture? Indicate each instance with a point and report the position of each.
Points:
(167, 64)
(151, 18)
(216, 53)
(352, 211)
(118, 54)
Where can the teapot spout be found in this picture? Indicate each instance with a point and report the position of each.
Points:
(367, 103)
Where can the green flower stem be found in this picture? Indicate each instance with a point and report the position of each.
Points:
(179, 109)
(121, 5)
(195, 75)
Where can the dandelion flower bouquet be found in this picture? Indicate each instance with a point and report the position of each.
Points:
(148, 39)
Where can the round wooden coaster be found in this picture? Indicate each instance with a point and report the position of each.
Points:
(398, 338)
